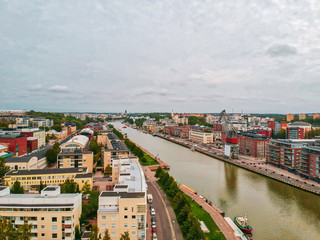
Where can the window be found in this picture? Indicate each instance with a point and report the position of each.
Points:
(103, 234)
(103, 217)
(126, 209)
(42, 226)
(132, 209)
(113, 217)
(125, 216)
(113, 234)
(103, 226)
(113, 226)
(54, 219)
(42, 234)
(133, 233)
(42, 218)
(133, 216)
(125, 225)
(54, 228)
(133, 225)
(54, 235)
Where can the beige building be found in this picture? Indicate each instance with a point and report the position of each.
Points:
(74, 154)
(125, 208)
(290, 117)
(201, 137)
(114, 148)
(302, 116)
(316, 115)
(58, 135)
(51, 214)
(30, 179)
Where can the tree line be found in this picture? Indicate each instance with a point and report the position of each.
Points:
(136, 150)
(188, 222)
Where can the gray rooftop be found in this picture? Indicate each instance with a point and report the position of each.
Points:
(46, 171)
(123, 194)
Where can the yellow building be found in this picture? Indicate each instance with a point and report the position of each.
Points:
(290, 117)
(74, 153)
(201, 137)
(124, 208)
(58, 135)
(51, 214)
(302, 116)
(30, 179)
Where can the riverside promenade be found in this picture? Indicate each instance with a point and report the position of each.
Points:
(259, 168)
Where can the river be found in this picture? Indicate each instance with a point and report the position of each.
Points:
(275, 210)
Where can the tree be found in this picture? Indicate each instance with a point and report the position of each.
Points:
(77, 233)
(183, 215)
(24, 232)
(273, 135)
(51, 156)
(3, 168)
(106, 235)
(94, 234)
(42, 186)
(57, 127)
(125, 236)
(195, 232)
(8, 232)
(108, 169)
(281, 134)
(56, 147)
(86, 189)
(17, 188)
(69, 186)
(158, 172)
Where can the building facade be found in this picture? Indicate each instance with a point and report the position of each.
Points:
(17, 144)
(52, 215)
(290, 117)
(201, 137)
(252, 144)
(309, 163)
(30, 179)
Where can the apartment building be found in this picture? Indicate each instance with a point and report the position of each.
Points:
(114, 148)
(124, 208)
(290, 117)
(252, 144)
(295, 133)
(30, 179)
(302, 116)
(285, 153)
(17, 144)
(74, 154)
(309, 163)
(303, 125)
(201, 137)
(51, 214)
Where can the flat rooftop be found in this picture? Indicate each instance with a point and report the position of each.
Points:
(123, 194)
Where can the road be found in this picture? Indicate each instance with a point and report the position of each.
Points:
(167, 227)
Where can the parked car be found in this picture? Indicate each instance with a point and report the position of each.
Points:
(153, 219)
(154, 236)
(153, 212)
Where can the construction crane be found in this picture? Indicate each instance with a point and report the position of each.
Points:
(231, 148)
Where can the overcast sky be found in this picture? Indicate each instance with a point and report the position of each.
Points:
(192, 56)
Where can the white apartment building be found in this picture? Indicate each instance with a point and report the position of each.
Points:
(52, 215)
(201, 137)
(124, 208)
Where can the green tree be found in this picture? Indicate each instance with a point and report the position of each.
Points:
(281, 134)
(24, 232)
(57, 127)
(125, 236)
(3, 168)
(195, 232)
(51, 156)
(56, 147)
(47, 138)
(86, 189)
(183, 215)
(158, 172)
(77, 233)
(272, 134)
(17, 188)
(94, 234)
(108, 169)
(69, 186)
(8, 232)
(106, 235)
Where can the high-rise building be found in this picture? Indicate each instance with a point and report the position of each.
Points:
(302, 116)
(52, 215)
(290, 117)
(316, 115)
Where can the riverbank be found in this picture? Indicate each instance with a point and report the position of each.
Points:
(254, 168)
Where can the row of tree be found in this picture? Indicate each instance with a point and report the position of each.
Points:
(96, 149)
(9, 232)
(190, 225)
(135, 150)
(116, 132)
(94, 234)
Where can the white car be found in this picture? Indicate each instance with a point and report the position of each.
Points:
(153, 212)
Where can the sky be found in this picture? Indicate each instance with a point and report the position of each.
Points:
(153, 56)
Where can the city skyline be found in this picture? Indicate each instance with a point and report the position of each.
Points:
(259, 57)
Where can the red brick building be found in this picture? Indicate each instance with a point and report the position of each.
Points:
(17, 143)
(32, 144)
(252, 144)
(179, 131)
(309, 163)
(295, 133)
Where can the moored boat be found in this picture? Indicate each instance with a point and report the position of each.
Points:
(242, 223)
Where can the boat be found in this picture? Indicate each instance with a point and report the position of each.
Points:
(242, 223)
(124, 127)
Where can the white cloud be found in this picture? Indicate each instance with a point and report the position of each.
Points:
(58, 88)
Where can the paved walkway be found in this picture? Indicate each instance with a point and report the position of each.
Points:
(216, 216)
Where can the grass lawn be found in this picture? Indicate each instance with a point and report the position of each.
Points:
(150, 161)
(202, 215)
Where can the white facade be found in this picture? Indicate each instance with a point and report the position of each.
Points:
(202, 137)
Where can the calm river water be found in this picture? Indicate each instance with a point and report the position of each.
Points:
(275, 210)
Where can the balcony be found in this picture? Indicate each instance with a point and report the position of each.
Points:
(34, 230)
(68, 230)
(19, 222)
(32, 222)
(68, 222)
(68, 238)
